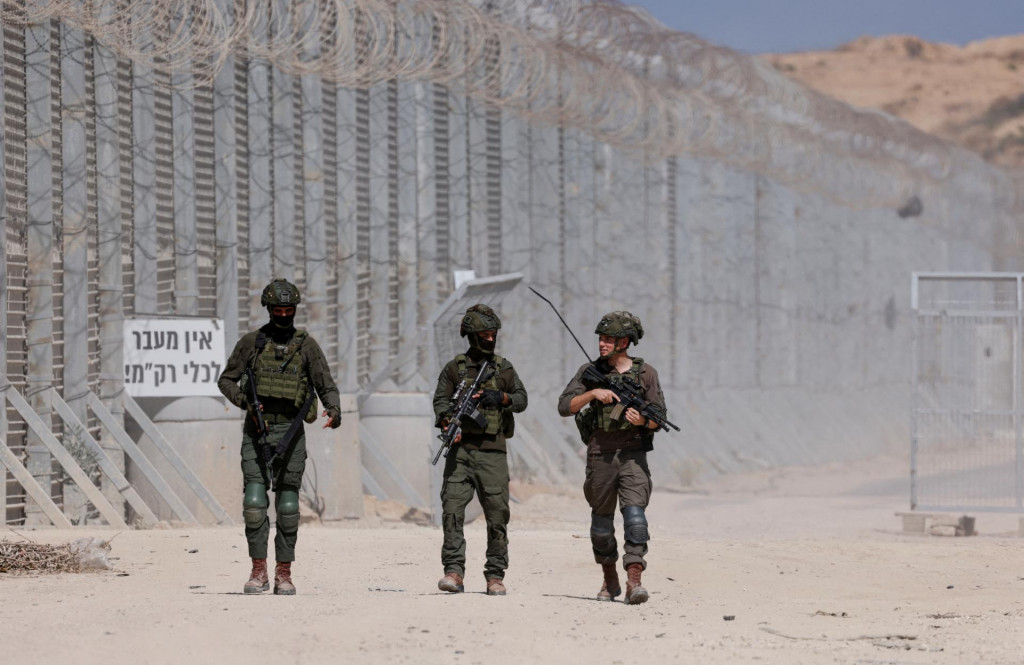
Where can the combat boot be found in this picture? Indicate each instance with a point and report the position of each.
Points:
(635, 593)
(611, 588)
(451, 582)
(258, 581)
(283, 579)
(495, 587)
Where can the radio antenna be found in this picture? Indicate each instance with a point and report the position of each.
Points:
(537, 293)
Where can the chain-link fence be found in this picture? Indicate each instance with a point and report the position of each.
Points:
(967, 447)
(169, 159)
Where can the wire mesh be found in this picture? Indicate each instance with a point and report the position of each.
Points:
(548, 124)
(967, 438)
(601, 66)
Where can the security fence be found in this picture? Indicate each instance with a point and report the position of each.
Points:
(967, 450)
(169, 159)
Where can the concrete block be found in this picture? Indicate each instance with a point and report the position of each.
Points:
(402, 426)
(333, 467)
(912, 522)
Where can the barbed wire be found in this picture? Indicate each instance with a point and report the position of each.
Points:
(603, 67)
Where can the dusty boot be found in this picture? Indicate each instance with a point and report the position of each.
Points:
(451, 582)
(495, 587)
(258, 582)
(635, 594)
(611, 588)
(283, 579)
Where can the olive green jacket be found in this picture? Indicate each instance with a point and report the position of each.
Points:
(507, 380)
(314, 363)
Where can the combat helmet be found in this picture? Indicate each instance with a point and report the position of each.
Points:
(620, 324)
(477, 319)
(280, 292)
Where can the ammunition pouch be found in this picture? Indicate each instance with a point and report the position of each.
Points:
(586, 422)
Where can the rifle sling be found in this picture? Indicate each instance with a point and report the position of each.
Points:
(282, 445)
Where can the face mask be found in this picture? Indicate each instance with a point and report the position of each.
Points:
(484, 346)
(283, 322)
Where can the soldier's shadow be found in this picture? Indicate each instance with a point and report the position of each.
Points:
(589, 599)
(239, 593)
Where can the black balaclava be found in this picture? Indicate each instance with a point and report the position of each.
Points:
(482, 346)
(282, 323)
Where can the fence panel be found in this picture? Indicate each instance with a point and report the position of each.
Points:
(966, 448)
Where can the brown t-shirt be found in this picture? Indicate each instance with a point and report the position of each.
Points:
(631, 438)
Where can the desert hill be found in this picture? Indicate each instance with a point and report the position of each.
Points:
(971, 95)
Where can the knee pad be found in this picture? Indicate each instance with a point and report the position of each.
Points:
(602, 532)
(288, 510)
(635, 524)
(254, 504)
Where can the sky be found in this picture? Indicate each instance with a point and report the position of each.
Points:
(783, 26)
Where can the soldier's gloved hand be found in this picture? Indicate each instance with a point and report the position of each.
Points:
(333, 418)
(492, 398)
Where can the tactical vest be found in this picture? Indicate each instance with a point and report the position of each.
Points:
(604, 411)
(281, 374)
(493, 415)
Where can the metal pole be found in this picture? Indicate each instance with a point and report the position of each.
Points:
(111, 281)
(1018, 417)
(39, 248)
(4, 298)
(226, 193)
(316, 252)
(914, 336)
(426, 219)
(283, 125)
(76, 225)
(260, 182)
(346, 307)
(186, 248)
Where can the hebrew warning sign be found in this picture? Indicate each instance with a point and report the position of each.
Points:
(173, 357)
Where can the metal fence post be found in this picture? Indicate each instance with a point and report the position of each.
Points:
(1017, 408)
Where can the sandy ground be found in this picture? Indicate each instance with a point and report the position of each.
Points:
(809, 562)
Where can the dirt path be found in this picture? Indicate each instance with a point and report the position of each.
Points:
(809, 562)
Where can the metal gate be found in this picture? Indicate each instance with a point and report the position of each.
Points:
(967, 448)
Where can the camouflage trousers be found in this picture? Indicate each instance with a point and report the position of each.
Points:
(288, 468)
(621, 476)
(486, 473)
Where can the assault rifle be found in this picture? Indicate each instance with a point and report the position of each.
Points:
(629, 392)
(263, 448)
(463, 407)
(630, 395)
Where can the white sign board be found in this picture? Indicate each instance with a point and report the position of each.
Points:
(173, 357)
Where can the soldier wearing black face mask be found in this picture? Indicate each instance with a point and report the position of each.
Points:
(286, 364)
(477, 461)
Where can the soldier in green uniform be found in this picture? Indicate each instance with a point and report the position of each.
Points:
(617, 446)
(288, 366)
(477, 460)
